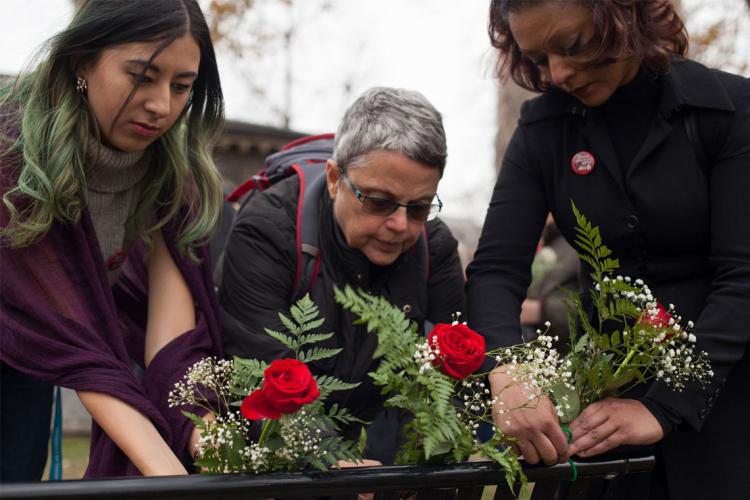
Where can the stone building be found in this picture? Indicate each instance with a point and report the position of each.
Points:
(243, 147)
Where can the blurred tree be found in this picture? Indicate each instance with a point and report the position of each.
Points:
(259, 35)
(719, 33)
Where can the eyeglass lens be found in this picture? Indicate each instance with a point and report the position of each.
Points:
(384, 207)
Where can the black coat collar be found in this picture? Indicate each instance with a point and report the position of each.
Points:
(689, 83)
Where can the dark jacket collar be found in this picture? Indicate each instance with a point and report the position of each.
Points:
(698, 86)
(688, 83)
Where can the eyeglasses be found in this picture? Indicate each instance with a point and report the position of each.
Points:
(383, 207)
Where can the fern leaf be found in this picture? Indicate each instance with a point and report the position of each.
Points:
(317, 353)
(312, 324)
(313, 338)
(288, 341)
(290, 325)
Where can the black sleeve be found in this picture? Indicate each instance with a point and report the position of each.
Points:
(258, 273)
(722, 328)
(500, 273)
(445, 284)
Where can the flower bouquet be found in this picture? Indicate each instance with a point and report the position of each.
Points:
(269, 417)
(433, 379)
(631, 340)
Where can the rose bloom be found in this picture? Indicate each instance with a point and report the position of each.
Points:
(661, 319)
(461, 349)
(287, 386)
(659, 322)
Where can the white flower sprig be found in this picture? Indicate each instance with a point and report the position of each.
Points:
(629, 339)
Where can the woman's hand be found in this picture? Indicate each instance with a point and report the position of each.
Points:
(345, 464)
(195, 436)
(613, 422)
(533, 423)
(531, 312)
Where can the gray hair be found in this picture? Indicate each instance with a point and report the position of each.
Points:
(391, 119)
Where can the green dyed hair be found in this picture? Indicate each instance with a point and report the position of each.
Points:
(45, 123)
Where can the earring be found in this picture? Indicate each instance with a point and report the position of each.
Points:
(81, 85)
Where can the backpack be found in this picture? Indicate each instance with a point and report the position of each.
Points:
(706, 135)
(305, 157)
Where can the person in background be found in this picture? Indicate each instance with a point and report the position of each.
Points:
(109, 193)
(654, 149)
(555, 268)
(381, 192)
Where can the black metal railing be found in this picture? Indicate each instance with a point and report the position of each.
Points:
(473, 480)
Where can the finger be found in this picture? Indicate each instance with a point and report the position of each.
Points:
(557, 440)
(591, 417)
(529, 452)
(594, 437)
(545, 449)
(610, 442)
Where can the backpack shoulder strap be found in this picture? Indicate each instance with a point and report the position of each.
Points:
(422, 253)
(693, 134)
(312, 183)
(707, 136)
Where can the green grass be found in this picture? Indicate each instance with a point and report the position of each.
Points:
(75, 457)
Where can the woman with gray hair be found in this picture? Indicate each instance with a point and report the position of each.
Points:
(380, 196)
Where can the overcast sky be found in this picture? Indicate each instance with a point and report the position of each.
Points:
(439, 47)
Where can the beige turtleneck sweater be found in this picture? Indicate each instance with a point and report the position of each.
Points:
(113, 188)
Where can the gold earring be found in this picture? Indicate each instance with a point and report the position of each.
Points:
(81, 85)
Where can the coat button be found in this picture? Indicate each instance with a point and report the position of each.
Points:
(702, 414)
(710, 401)
(633, 222)
(406, 308)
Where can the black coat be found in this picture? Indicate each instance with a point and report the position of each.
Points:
(682, 227)
(259, 267)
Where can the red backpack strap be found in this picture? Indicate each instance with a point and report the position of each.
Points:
(312, 183)
(258, 181)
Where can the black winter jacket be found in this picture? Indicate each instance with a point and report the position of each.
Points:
(258, 274)
(681, 226)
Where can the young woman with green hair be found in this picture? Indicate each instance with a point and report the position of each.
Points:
(109, 195)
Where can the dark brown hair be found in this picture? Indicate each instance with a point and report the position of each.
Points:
(648, 29)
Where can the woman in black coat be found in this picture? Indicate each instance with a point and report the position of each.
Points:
(655, 149)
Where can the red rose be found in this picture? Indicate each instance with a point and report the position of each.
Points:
(461, 349)
(287, 386)
(658, 321)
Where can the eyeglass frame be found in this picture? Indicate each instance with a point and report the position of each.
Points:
(435, 208)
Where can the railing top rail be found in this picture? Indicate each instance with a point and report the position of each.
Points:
(244, 486)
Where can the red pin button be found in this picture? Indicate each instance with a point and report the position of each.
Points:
(583, 163)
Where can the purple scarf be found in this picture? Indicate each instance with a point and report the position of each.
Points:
(60, 322)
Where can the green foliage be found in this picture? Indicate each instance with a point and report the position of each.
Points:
(592, 250)
(328, 384)
(441, 429)
(618, 349)
(317, 353)
(304, 319)
(306, 439)
(248, 374)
